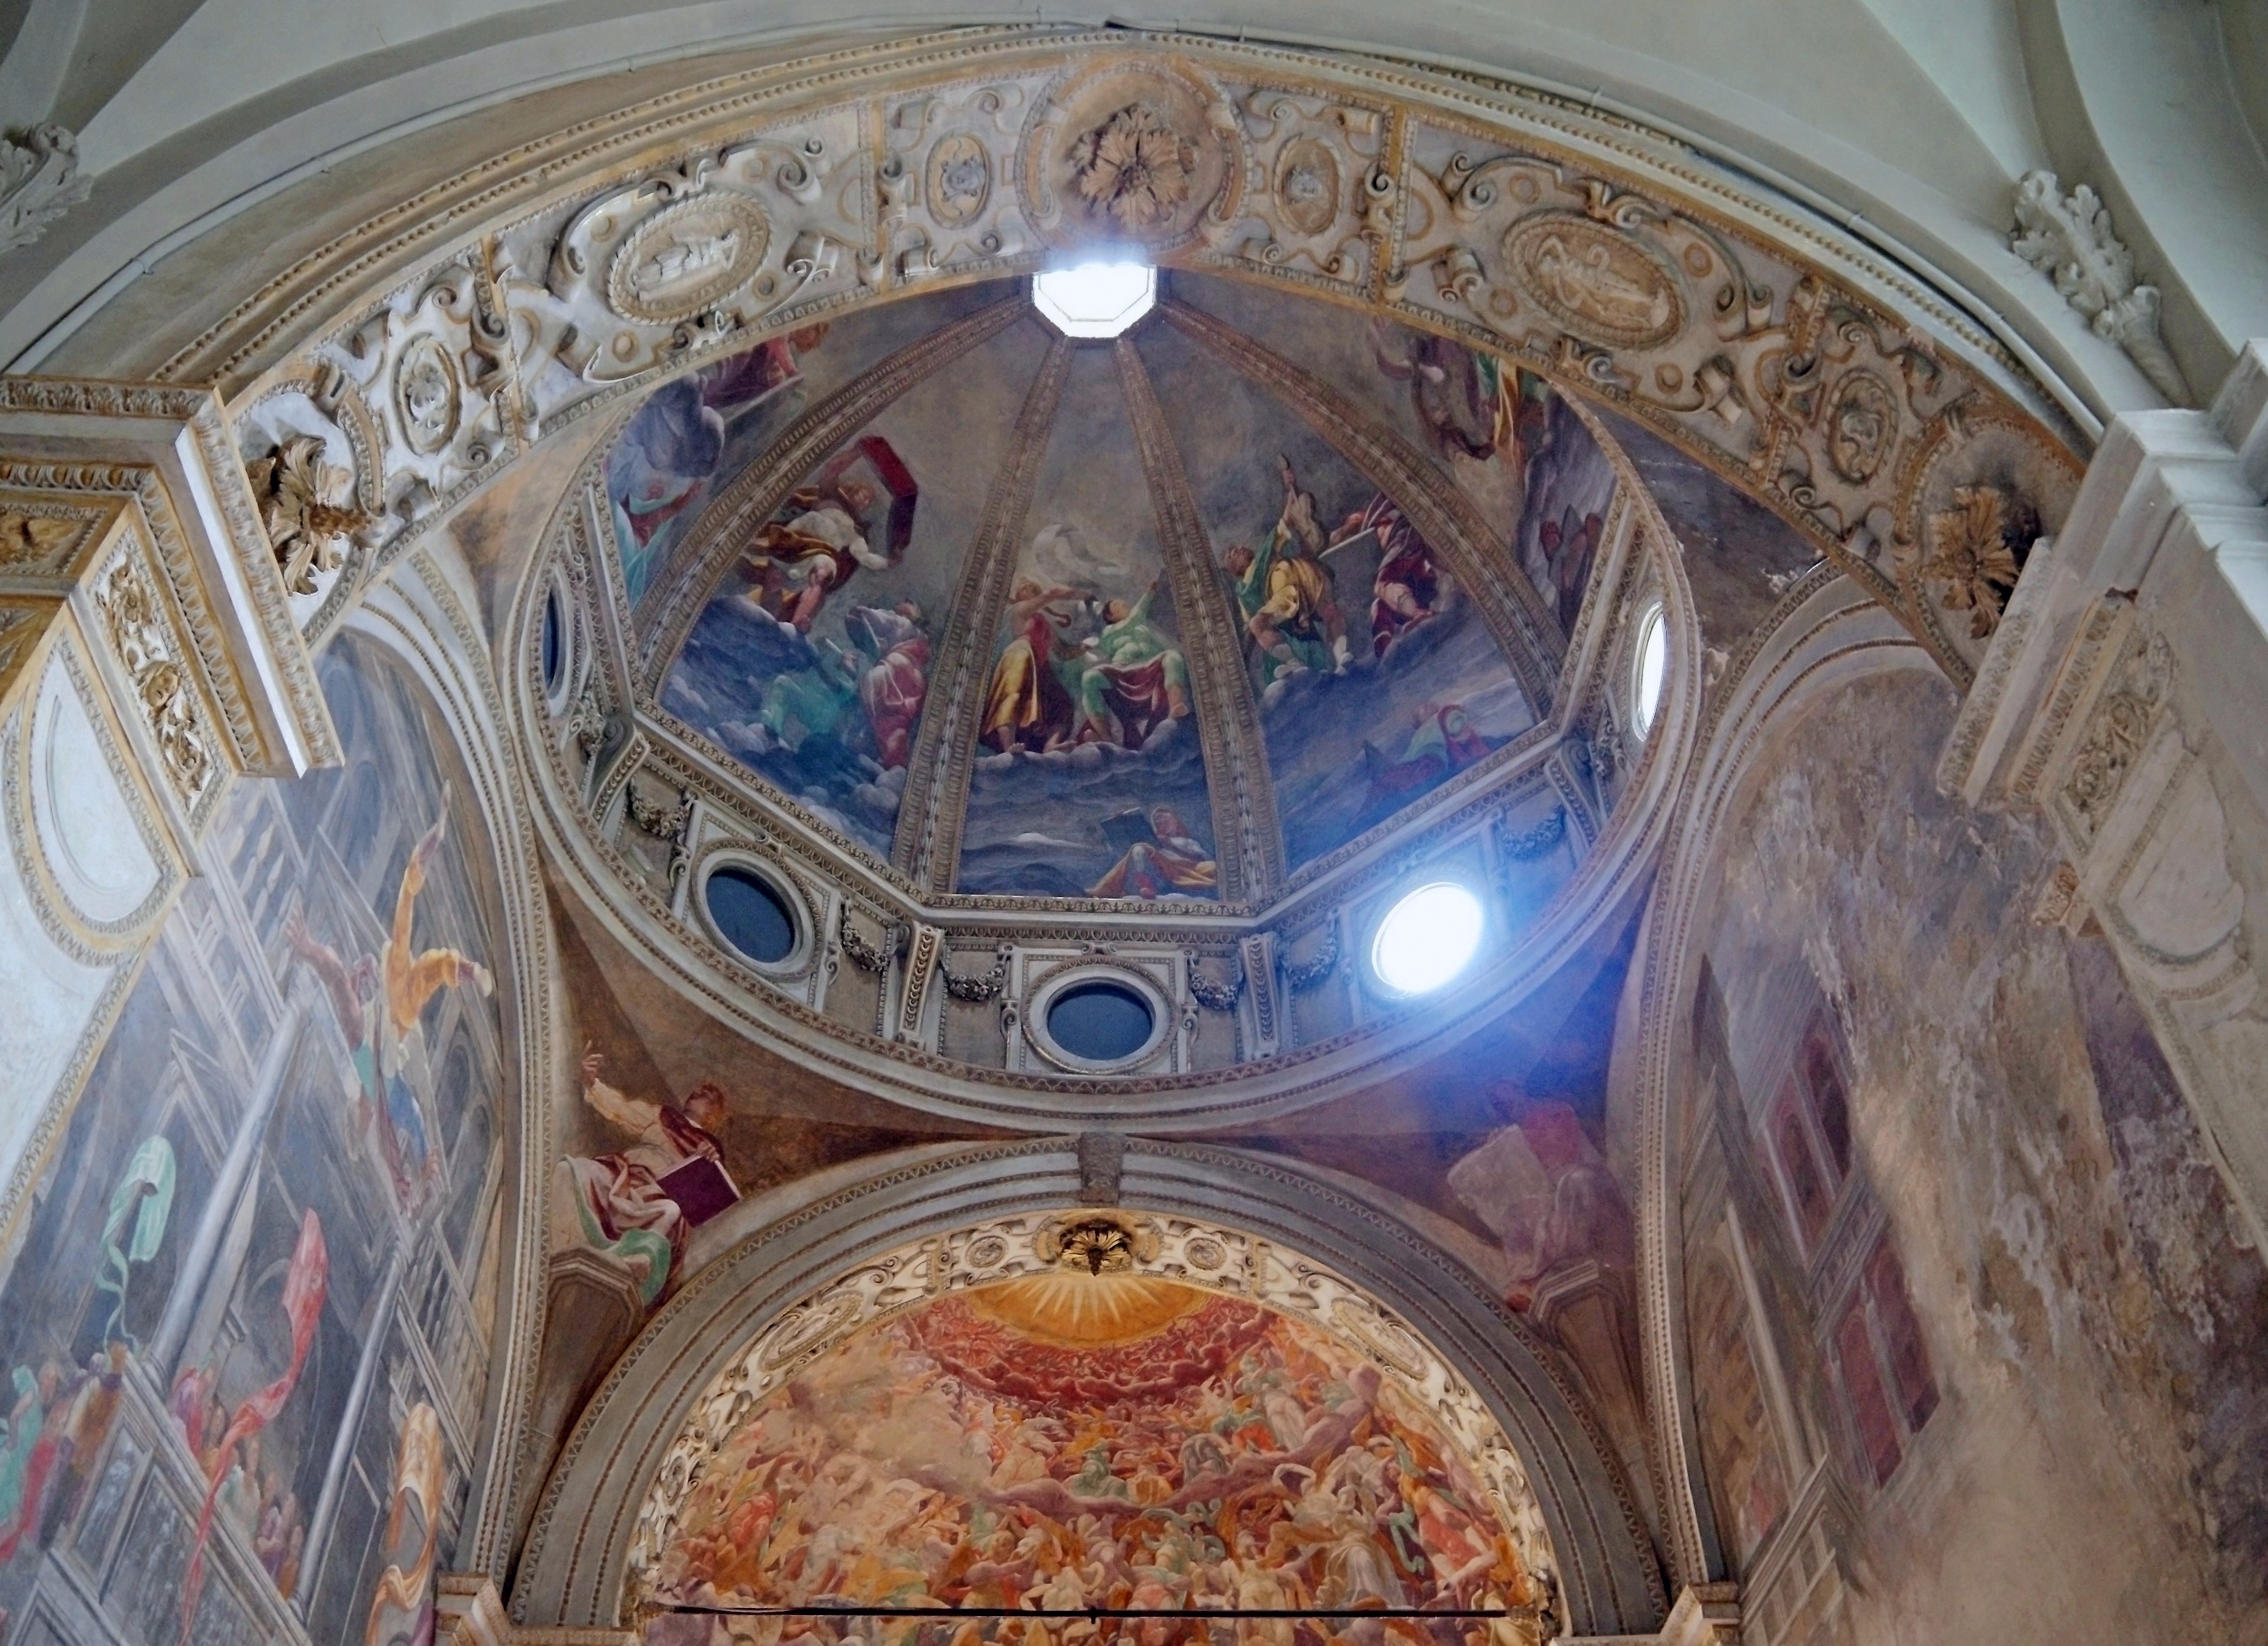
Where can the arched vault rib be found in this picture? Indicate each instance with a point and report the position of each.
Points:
(928, 844)
(640, 1428)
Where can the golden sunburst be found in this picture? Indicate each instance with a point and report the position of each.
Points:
(1082, 1310)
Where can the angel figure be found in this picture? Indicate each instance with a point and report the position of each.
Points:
(378, 1001)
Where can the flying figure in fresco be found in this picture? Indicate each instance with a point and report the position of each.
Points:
(378, 1001)
(819, 539)
(1407, 588)
(1172, 861)
(1291, 610)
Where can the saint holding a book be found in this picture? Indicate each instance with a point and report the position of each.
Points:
(641, 1205)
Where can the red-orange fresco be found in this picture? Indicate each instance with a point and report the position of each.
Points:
(1072, 1440)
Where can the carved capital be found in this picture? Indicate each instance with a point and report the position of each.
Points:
(2120, 700)
(129, 503)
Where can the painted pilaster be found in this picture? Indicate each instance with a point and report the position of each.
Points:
(149, 655)
(1228, 720)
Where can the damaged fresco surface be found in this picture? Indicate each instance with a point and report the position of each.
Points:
(1966, 1249)
(248, 1328)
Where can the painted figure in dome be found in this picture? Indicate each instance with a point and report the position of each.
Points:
(1027, 705)
(620, 1201)
(378, 1001)
(1129, 678)
(676, 440)
(896, 680)
(1442, 742)
(819, 539)
(1171, 862)
(1569, 545)
(1291, 610)
(1408, 587)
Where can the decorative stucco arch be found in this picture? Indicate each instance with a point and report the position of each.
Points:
(578, 1550)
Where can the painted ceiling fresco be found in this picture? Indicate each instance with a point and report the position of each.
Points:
(1069, 1441)
(811, 663)
(1088, 747)
(1093, 702)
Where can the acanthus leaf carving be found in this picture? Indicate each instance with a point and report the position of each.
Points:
(2069, 237)
(40, 180)
(305, 529)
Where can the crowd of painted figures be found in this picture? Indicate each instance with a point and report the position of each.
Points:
(1234, 1460)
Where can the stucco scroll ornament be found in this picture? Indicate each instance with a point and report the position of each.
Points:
(307, 533)
(161, 685)
(431, 366)
(2069, 238)
(40, 180)
(2117, 733)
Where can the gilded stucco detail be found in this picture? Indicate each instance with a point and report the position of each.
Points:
(141, 638)
(1582, 248)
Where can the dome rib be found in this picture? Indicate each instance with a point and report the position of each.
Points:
(1243, 790)
(928, 844)
(1528, 635)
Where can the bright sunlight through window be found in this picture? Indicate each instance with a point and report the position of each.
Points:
(1095, 299)
(1427, 938)
(1652, 670)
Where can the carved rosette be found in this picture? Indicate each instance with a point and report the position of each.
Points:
(1136, 154)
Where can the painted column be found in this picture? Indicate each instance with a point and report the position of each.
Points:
(320, 1524)
(227, 1192)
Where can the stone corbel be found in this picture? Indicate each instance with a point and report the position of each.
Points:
(469, 1611)
(126, 507)
(2121, 700)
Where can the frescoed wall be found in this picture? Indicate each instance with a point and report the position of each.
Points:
(1089, 780)
(1076, 1440)
(260, 1282)
(1935, 1174)
(811, 663)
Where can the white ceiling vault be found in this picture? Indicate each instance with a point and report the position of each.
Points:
(1910, 120)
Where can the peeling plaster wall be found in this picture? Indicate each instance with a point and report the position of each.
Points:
(2097, 1338)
